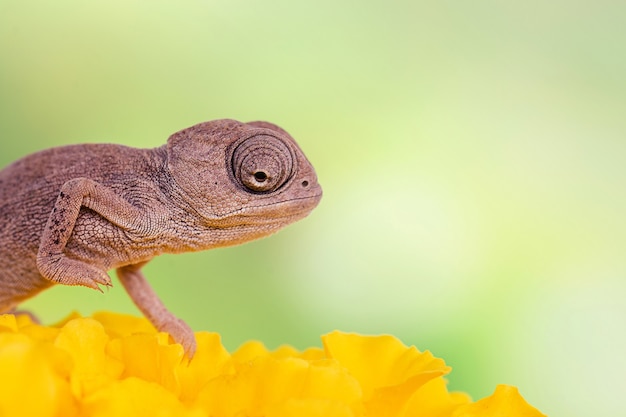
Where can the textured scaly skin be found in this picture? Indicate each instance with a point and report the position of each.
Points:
(69, 214)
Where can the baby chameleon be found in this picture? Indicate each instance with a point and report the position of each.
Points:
(70, 214)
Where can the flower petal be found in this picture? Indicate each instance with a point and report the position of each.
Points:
(308, 407)
(249, 351)
(35, 378)
(85, 340)
(505, 401)
(267, 383)
(211, 360)
(135, 397)
(8, 323)
(388, 371)
(39, 332)
(150, 357)
(433, 400)
(254, 349)
(122, 325)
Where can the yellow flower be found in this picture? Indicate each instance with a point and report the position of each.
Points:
(117, 365)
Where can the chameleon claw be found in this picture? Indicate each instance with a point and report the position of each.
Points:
(181, 333)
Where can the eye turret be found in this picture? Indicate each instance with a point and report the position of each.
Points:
(262, 164)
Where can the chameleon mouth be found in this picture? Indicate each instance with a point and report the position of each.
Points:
(295, 208)
(254, 222)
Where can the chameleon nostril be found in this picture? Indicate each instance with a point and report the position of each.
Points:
(305, 183)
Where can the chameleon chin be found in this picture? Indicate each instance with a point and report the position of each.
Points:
(69, 214)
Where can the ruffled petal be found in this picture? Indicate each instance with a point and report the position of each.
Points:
(8, 323)
(434, 400)
(35, 378)
(149, 357)
(138, 398)
(210, 361)
(505, 401)
(268, 384)
(388, 371)
(121, 325)
(85, 341)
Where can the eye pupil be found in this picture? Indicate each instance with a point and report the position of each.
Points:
(260, 176)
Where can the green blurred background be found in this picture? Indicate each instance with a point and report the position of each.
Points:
(472, 154)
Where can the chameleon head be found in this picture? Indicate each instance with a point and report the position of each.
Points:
(245, 179)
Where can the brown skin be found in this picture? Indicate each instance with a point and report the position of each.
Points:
(70, 214)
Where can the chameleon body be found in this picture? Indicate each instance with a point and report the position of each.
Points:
(69, 214)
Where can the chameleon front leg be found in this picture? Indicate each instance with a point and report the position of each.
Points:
(152, 307)
(51, 261)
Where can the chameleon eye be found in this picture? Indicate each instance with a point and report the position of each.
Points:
(262, 163)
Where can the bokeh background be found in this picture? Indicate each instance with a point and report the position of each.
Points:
(472, 154)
